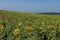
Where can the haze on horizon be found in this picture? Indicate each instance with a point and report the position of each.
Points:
(31, 5)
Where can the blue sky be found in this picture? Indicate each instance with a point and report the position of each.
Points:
(31, 5)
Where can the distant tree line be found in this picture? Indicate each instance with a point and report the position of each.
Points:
(53, 13)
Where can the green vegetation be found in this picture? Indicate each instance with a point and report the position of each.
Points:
(28, 26)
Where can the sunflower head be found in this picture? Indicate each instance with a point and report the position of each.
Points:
(41, 28)
(19, 23)
(16, 32)
(50, 34)
(43, 23)
(50, 26)
(1, 27)
(28, 28)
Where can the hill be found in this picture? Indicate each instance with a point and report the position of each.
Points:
(28, 26)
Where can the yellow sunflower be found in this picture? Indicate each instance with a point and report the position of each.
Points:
(16, 32)
(19, 23)
(43, 23)
(50, 26)
(28, 28)
(50, 34)
(1, 27)
(41, 28)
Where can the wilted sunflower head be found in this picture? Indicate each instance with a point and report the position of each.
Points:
(16, 32)
(1, 27)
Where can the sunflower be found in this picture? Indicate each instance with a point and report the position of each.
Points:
(1, 27)
(50, 34)
(50, 26)
(19, 23)
(28, 28)
(16, 32)
(41, 28)
(43, 23)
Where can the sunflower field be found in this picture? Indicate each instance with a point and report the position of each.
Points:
(28, 26)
